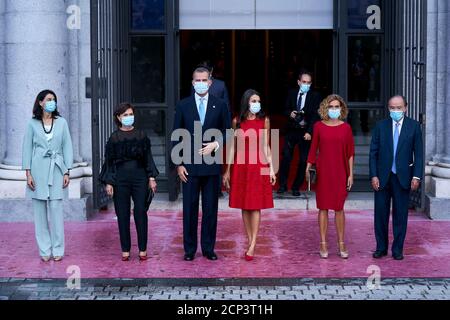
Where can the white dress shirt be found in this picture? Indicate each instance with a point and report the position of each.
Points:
(400, 125)
(205, 103)
(303, 99)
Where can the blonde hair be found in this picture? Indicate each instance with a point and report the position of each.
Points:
(323, 110)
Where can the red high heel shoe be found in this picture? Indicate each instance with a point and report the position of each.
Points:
(126, 258)
(143, 258)
(247, 257)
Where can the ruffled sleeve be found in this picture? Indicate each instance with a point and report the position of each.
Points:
(108, 171)
(150, 167)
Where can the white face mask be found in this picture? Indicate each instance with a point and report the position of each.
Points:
(201, 87)
(255, 107)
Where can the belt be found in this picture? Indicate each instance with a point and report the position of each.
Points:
(56, 159)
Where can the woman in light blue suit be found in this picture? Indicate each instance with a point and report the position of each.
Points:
(47, 158)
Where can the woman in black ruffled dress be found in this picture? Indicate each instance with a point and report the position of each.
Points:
(129, 171)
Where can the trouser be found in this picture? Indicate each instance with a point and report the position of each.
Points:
(292, 140)
(131, 183)
(400, 202)
(49, 227)
(207, 186)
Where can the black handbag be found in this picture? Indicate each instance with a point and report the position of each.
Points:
(149, 198)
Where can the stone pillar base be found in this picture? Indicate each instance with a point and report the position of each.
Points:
(20, 210)
(437, 208)
(14, 207)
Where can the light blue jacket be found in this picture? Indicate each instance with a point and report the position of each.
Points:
(47, 160)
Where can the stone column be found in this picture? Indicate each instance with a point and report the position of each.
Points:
(437, 182)
(42, 52)
(2, 82)
(36, 59)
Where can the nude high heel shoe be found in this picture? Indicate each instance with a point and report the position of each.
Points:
(342, 254)
(323, 254)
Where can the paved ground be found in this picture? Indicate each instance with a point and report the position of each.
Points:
(287, 248)
(301, 289)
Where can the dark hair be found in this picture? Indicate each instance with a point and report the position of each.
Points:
(205, 64)
(37, 108)
(400, 96)
(245, 107)
(201, 69)
(304, 72)
(121, 109)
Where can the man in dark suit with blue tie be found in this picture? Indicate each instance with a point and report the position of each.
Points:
(396, 168)
(196, 115)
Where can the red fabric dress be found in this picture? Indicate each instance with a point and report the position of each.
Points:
(250, 189)
(331, 149)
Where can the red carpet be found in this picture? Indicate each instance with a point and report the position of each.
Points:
(287, 248)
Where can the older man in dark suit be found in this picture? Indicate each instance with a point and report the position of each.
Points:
(396, 168)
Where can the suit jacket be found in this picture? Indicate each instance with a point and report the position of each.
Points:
(312, 104)
(217, 117)
(409, 158)
(47, 160)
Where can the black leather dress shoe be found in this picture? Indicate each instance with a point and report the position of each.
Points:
(379, 254)
(281, 190)
(210, 256)
(189, 257)
(398, 256)
(296, 193)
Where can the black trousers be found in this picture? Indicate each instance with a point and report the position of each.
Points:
(132, 182)
(207, 187)
(293, 139)
(400, 202)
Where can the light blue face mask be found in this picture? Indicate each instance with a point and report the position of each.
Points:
(334, 113)
(128, 121)
(201, 87)
(397, 115)
(255, 108)
(304, 88)
(50, 106)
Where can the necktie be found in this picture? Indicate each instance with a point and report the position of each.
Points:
(299, 103)
(202, 110)
(396, 136)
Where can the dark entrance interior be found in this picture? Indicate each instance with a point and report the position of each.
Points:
(265, 60)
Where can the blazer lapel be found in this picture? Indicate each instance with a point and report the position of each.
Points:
(209, 110)
(403, 133)
(391, 138)
(194, 109)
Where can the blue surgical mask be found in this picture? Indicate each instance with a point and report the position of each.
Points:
(334, 113)
(128, 121)
(50, 106)
(397, 115)
(201, 87)
(304, 88)
(255, 107)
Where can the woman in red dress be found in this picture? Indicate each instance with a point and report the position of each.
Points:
(333, 151)
(250, 176)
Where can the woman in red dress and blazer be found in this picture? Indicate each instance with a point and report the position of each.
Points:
(333, 151)
(250, 175)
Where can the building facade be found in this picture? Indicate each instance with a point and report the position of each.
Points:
(97, 53)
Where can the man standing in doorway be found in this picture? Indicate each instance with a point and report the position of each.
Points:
(210, 113)
(396, 166)
(219, 90)
(302, 107)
